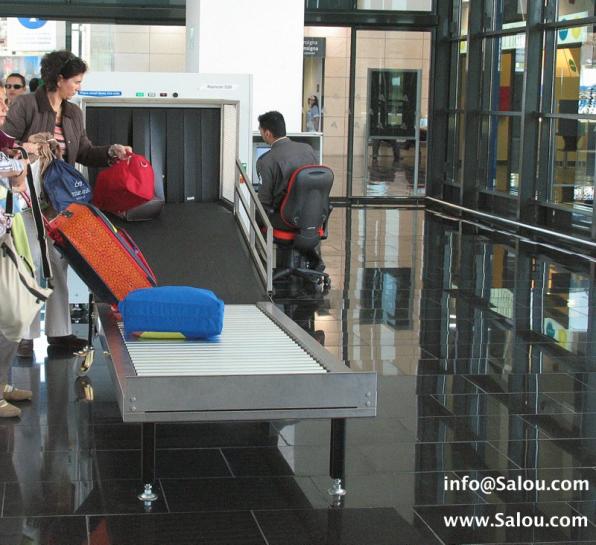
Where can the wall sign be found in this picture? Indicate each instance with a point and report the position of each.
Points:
(314, 47)
(32, 34)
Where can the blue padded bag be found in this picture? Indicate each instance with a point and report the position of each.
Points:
(175, 311)
(64, 184)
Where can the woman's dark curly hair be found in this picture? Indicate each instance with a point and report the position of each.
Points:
(60, 63)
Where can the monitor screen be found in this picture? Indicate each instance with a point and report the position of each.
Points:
(262, 150)
(259, 150)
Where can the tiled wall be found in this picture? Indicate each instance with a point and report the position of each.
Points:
(406, 50)
(136, 48)
(336, 88)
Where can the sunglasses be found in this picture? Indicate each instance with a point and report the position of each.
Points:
(16, 86)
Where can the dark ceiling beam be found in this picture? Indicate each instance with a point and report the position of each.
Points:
(406, 20)
(97, 13)
(176, 15)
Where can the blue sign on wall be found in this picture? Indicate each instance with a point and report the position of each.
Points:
(33, 23)
(100, 93)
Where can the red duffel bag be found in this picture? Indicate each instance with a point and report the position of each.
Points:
(124, 185)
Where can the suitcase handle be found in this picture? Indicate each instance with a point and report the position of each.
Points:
(124, 234)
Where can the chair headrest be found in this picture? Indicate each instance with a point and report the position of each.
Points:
(306, 203)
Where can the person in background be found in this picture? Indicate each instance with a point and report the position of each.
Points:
(313, 115)
(49, 110)
(33, 84)
(15, 87)
(394, 146)
(12, 178)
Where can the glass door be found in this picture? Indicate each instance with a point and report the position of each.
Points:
(390, 114)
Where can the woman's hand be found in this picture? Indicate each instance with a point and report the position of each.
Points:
(18, 184)
(119, 151)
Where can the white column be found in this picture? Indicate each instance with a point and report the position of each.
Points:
(260, 37)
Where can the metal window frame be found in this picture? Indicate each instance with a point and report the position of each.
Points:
(537, 113)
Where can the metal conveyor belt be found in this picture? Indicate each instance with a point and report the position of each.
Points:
(250, 344)
(262, 367)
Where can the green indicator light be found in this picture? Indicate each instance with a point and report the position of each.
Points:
(139, 94)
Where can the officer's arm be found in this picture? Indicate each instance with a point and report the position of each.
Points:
(265, 173)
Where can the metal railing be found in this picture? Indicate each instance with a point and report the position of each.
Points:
(250, 217)
(516, 224)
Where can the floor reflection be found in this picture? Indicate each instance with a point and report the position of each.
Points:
(486, 357)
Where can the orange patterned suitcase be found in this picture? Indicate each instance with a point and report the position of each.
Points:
(105, 258)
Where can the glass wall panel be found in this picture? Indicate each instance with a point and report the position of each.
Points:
(462, 74)
(328, 78)
(574, 9)
(574, 86)
(464, 18)
(23, 56)
(329, 4)
(509, 14)
(564, 307)
(396, 5)
(455, 155)
(573, 138)
(503, 145)
(461, 148)
(506, 56)
(556, 78)
(573, 162)
(391, 110)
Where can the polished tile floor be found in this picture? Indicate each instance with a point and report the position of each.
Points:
(485, 351)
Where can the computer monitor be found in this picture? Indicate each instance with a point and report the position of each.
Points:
(260, 150)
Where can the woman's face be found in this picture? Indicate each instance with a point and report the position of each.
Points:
(14, 88)
(3, 106)
(67, 88)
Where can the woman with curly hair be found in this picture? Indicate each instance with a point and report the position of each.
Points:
(49, 110)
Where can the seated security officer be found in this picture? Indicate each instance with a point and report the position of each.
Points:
(275, 168)
(277, 165)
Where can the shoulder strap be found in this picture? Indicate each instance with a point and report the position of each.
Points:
(38, 218)
(9, 202)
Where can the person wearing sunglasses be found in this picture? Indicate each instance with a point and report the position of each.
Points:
(15, 86)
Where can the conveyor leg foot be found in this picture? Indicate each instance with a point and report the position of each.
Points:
(86, 355)
(337, 489)
(148, 495)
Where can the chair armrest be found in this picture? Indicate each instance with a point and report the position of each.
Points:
(330, 209)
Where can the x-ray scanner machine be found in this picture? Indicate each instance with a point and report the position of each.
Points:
(232, 94)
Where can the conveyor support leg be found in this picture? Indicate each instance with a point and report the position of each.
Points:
(337, 461)
(148, 452)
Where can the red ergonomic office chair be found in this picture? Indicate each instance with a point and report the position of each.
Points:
(304, 210)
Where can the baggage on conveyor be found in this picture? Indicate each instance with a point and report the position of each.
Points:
(130, 190)
(105, 258)
(172, 312)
